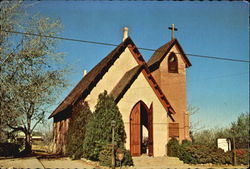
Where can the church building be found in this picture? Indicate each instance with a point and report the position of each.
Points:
(151, 96)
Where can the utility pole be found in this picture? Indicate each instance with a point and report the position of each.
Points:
(234, 152)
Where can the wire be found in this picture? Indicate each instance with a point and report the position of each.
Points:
(110, 44)
(61, 38)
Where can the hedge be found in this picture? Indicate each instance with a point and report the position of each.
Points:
(9, 149)
(202, 154)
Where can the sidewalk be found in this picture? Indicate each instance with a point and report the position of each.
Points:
(28, 162)
(65, 163)
(33, 162)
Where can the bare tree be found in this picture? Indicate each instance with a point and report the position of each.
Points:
(30, 71)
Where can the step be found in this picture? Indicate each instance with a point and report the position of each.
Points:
(157, 161)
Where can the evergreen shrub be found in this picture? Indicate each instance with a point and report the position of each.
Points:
(77, 127)
(186, 143)
(106, 154)
(186, 156)
(173, 147)
(99, 131)
(127, 160)
(203, 154)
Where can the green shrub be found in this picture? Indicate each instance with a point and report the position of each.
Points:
(77, 127)
(186, 143)
(99, 130)
(242, 156)
(127, 159)
(186, 156)
(173, 148)
(9, 149)
(202, 154)
(106, 154)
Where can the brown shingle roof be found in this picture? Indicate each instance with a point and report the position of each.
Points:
(124, 84)
(88, 82)
(161, 52)
(130, 76)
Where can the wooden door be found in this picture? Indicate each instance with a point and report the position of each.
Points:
(150, 131)
(135, 130)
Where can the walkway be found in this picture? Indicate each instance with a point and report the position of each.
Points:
(146, 162)
(143, 162)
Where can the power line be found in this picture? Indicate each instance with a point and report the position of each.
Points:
(110, 44)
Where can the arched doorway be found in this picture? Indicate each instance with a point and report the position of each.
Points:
(141, 117)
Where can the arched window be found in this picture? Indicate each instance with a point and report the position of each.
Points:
(172, 63)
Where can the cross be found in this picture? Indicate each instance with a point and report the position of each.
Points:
(173, 29)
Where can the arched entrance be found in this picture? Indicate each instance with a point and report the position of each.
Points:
(141, 117)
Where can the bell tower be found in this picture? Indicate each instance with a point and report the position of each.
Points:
(168, 66)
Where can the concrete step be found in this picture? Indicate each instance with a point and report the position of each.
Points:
(157, 161)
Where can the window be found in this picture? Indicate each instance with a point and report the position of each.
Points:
(172, 63)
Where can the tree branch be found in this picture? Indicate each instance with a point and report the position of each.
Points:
(14, 129)
(38, 121)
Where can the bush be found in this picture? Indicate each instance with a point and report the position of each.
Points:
(186, 156)
(242, 156)
(173, 148)
(77, 127)
(127, 159)
(186, 143)
(202, 154)
(106, 154)
(99, 131)
(9, 149)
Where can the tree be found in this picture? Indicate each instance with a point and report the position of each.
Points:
(208, 136)
(194, 125)
(77, 127)
(99, 132)
(240, 130)
(30, 73)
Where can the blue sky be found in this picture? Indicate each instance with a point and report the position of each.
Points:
(220, 89)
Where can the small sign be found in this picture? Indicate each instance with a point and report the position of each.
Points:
(224, 143)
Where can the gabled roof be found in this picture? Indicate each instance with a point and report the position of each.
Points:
(124, 84)
(88, 82)
(160, 53)
(130, 76)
